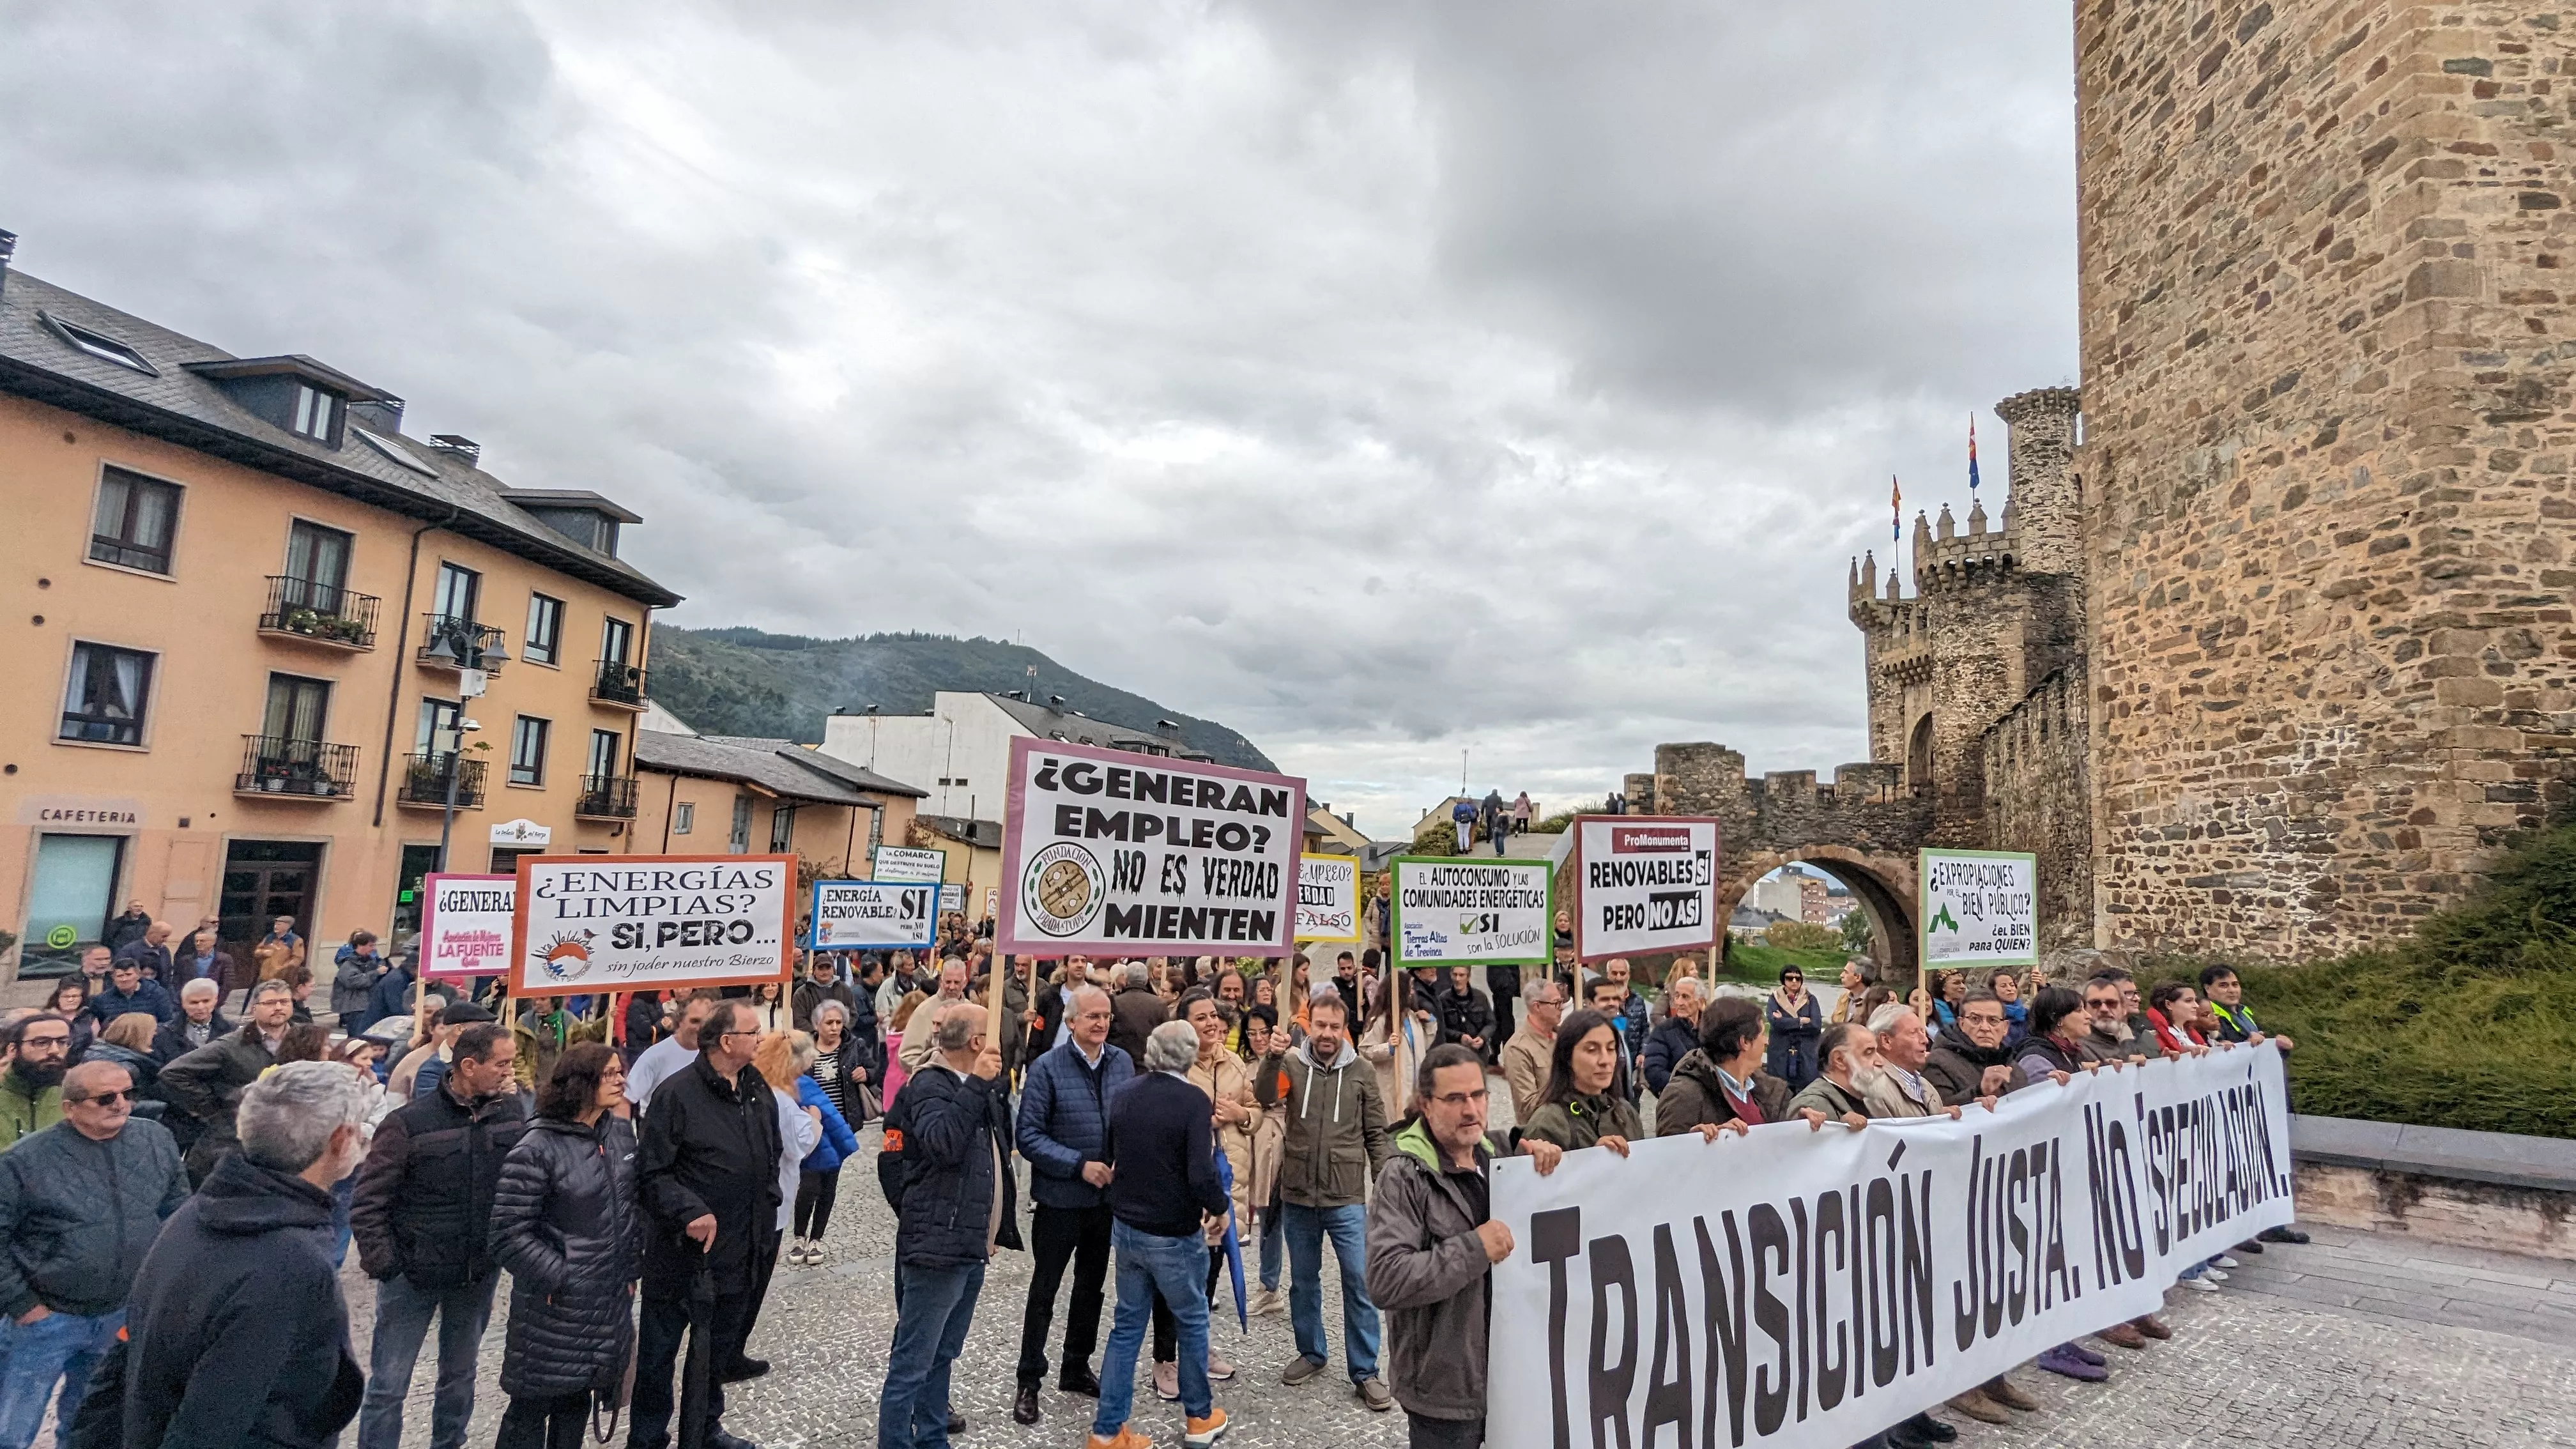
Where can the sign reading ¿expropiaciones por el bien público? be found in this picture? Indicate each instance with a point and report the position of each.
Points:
(1979, 908)
(1463, 909)
(643, 922)
(1644, 883)
(1799, 1289)
(1117, 852)
(855, 915)
(465, 924)
(1328, 898)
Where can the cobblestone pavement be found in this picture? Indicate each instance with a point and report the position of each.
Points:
(2357, 1339)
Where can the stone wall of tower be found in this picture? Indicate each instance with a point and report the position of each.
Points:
(2327, 248)
(2039, 798)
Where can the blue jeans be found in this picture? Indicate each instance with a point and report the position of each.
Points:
(62, 1346)
(1348, 1228)
(933, 1309)
(1177, 1268)
(402, 1322)
(1274, 1243)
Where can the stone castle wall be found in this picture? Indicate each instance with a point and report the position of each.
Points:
(2039, 798)
(2327, 252)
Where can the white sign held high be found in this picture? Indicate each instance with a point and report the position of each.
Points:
(1644, 883)
(637, 922)
(1467, 909)
(1111, 852)
(853, 915)
(1799, 1289)
(465, 923)
(1979, 908)
(1328, 898)
(903, 862)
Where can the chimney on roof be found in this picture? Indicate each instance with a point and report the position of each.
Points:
(463, 447)
(8, 249)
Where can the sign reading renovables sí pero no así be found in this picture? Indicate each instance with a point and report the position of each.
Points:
(1644, 883)
(1109, 852)
(649, 922)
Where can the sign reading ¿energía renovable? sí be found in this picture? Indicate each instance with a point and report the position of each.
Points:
(1644, 883)
(643, 922)
(1121, 853)
(855, 915)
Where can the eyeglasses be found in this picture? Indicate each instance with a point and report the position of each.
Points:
(1460, 1099)
(44, 1041)
(125, 1095)
(730, 1035)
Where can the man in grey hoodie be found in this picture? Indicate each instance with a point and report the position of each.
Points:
(1335, 1141)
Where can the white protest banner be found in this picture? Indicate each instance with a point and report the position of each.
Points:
(853, 915)
(1800, 1289)
(465, 925)
(639, 922)
(1466, 909)
(903, 862)
(1980, 908)
(1644, 883)
(1110, 852)
(1328, 898)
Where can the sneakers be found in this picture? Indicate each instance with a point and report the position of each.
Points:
(1167, 1382)
(2199, 1284)
(1219, 1370)
(2085, 1354)
(2213, 1275)
(795, 1254)
(2282, 1235)
(2224, 1261)
(1374, 1393)
(2060, 1360)
(1300, 1371)
(1266, 1302)
(1200, 1433)
(1126, 1438)
(1977, 1406)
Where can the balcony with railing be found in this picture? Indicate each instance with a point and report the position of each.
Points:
(319, 613)
(606, 797)
(280, 767)
(618, 683)
(425, 777)
(449, 641)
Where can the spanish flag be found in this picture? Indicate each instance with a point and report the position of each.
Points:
(1972, 455)
(1895, 510)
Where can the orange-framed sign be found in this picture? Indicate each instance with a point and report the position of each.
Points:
(588, 923)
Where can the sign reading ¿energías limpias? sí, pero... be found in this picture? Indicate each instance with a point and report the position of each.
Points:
(1123, 853)
(640, 922)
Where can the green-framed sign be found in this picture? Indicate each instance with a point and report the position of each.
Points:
(1977, 908)
(1465, 910)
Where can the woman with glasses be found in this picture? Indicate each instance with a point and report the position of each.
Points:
(566, 1226)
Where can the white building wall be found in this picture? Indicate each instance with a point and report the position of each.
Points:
(964, 742)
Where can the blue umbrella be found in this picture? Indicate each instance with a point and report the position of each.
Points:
(1233, 1243)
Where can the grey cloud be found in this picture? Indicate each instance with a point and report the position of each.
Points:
(1380, 379)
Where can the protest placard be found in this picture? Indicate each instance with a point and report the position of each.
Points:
(1328, 898)
(1455, 910)
(465, 925)
(1112, 852)
(856, 915)
(907, 863)
(639, 922)
(1980, 908)
(1644, 883)
(1799, 1289)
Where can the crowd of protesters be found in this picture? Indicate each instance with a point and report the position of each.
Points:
(178, 1190)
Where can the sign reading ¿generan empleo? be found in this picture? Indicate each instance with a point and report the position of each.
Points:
(644, 922)
(1123, 853)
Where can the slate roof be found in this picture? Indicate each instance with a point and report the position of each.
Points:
(190, 408)
(857, 776)
(717, 760)
(1064, 724)
(982, 834)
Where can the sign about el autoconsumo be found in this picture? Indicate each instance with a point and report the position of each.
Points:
(1328, 899)
(465, 924)
(856, 915)
(1644, 883)
(646, 922)
(1800, 1289)
(1112, 852)
(1980, 908)
(1456, 910)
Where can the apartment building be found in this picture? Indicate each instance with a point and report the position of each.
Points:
(268, 645)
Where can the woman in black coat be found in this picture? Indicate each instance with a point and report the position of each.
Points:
(565, 1222)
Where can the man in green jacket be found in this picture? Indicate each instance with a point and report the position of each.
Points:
(1432, 1247)
(1336, 1137)
(31, 1090)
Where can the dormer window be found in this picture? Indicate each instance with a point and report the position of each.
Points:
(313, 409)
(99, 345)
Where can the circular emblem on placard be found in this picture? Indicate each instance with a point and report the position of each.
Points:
(567, 956)
(61, 937)
(1062, 889)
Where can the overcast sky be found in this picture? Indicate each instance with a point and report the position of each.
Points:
(1385, 381)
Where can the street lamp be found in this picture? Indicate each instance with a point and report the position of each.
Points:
(470, 684)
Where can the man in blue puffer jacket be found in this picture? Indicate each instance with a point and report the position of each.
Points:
(1062, 1129)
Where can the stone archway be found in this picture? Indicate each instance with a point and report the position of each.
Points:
(1886, 886)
